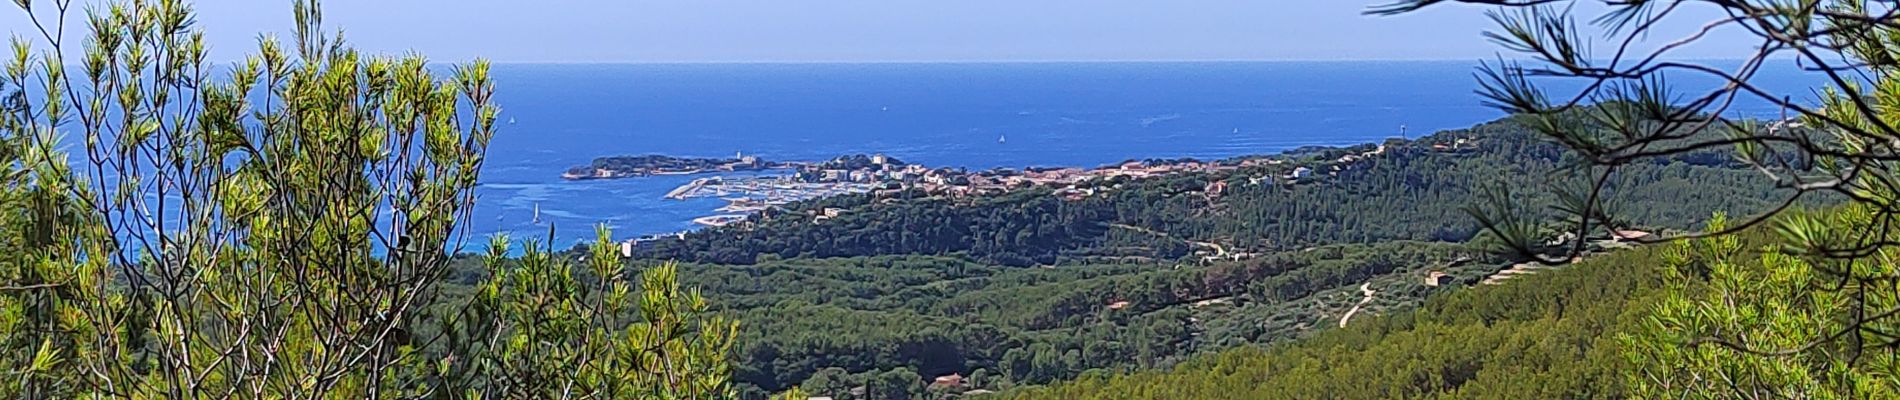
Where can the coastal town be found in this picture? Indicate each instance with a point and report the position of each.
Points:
(884, 175)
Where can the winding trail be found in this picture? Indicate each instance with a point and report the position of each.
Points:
(1363, 288)
(1512, 272)
(1218, 250)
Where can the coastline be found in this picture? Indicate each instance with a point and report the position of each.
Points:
(747, 197)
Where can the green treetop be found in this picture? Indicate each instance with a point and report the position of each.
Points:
(280, 229)
(1811, 315)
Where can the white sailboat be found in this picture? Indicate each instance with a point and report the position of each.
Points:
(537, 213)
(1001, 139)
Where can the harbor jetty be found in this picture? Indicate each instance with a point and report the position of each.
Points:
(690, 188)
(650, 165)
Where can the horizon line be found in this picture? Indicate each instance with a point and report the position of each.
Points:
(1049, 61)
(999, 61)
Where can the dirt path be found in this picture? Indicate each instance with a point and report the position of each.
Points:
(1363, 288)
(1219, 251)
(1512, 272)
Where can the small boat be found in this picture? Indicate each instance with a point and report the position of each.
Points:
(1001, 139)
(537, 213)
(511, 120)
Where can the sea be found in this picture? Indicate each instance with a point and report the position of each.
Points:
(971, 115)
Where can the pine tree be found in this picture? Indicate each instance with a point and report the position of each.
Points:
(282, 229)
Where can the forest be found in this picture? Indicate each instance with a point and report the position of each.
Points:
(1620, 325)
(1027, 289)
(846, 322)
(1549, 336)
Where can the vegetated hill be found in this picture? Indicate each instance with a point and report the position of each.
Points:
(898, 291)
(1403, 190)
(1549, 336)
(830, 325)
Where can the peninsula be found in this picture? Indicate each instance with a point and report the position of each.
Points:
(648, 165)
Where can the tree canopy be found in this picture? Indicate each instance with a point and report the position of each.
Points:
(1807, 315)
(282, 228)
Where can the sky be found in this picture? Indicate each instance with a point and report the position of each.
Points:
(645, 31)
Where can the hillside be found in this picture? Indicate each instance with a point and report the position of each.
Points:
(1028, 288)
(1398, 190)
(1642, 323)
(1553, 335)
(936, 317)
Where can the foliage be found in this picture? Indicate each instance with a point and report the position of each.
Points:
(282, 229)
(1813, 317)
(540, 330)
(1552, 335)
(1745, 317)
(36, 260)
(831, 325)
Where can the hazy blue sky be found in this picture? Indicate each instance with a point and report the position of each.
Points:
(875, 30)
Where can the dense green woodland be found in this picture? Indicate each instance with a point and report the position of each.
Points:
(1550, 336)
(1622, 324)
(854, 319)
(1411, 191)
(897, 291)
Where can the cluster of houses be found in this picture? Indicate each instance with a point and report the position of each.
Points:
(1348, 161)
(897, 176)
(885, 175)
(872, 169)
(960, 182)
(628, 246)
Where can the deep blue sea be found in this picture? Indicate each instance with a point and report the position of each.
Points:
(1068, 114)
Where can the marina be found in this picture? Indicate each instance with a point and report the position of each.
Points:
(750, 195)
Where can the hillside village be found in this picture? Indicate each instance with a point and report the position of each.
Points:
(886, 177)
